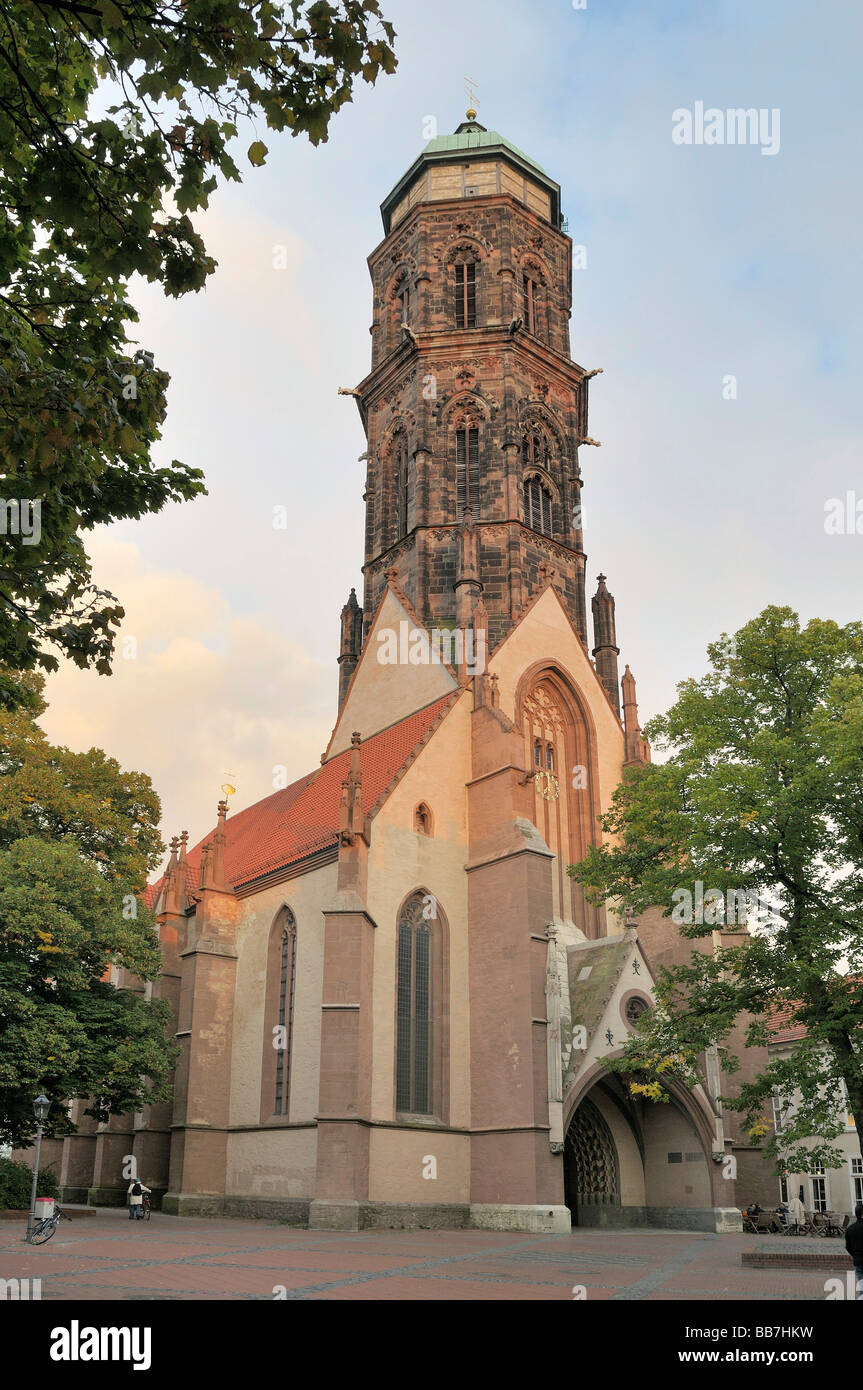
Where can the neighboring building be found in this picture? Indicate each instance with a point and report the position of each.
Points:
(830, 1189)
(391, 999)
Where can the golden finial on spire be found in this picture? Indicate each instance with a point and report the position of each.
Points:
(226, 787)
(472, 99)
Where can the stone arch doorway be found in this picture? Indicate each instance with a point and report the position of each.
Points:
(591, 1167)
(630, 1161)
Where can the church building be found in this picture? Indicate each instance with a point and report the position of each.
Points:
(392, 1001)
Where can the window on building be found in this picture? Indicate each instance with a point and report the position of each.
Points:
(783, 1190)
(777, 1114)
(819, 1188)
(537, 505)
(465, 295)
(405, 304)
(531, 302)
(467, 469)
(857, 1178)
(284, 1037)
(404, 484)
(414, 1021)
(534, 450)
(635, 1009)
(422, 820)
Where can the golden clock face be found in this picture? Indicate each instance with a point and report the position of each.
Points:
(547, 785)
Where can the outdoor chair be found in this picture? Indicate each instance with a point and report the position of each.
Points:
(835, 1224)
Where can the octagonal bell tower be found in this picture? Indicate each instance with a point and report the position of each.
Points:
(474, 409)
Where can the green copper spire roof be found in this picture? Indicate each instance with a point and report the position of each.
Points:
(473, 140)
(470, 135)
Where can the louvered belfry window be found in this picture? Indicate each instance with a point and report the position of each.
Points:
(465, 295)
(537, 506)
(467, 469)
(287, 981)
(414, 1014)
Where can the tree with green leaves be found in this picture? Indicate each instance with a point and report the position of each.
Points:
(117, 118)
(760, 794)
(78, 836)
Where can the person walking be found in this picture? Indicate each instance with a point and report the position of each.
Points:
(135, 1194)
(854, 1246)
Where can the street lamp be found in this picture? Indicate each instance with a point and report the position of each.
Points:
(41, 1106)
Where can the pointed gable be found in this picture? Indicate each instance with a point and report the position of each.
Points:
(382, 692)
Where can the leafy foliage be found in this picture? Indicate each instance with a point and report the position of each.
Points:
(92, 196)
(762, 794)
(77, 837)
(16, 1181)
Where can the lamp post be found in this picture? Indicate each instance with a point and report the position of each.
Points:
(41, 1106)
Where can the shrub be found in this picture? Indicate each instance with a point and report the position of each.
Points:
(16, 1179)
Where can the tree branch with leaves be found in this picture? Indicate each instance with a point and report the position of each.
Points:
(761, 794)
(92, 196)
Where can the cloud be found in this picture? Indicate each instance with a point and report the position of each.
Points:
(207, 692)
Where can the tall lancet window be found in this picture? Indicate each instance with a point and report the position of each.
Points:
(422, 1014)
(531, 304)
(558, 752)
(287, 976)
(404, 485)
(467, 468)
(279, 1017)
(465, 295)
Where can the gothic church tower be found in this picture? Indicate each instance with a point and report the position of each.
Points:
(387, 960)
(474, 409)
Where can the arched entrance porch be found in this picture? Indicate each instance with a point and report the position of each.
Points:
(631, 1161)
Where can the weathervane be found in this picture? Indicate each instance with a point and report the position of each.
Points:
(472, 99)
(226, 787)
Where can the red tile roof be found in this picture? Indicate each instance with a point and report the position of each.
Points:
(303, 818)
(781, 1026)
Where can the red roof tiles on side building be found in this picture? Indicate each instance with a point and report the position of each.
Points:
(304, 817)
(781, 1026)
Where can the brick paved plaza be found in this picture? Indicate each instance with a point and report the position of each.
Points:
(107, 1257)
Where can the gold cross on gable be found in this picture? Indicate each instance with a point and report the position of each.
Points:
(472, 99)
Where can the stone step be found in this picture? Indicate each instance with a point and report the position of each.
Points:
(796, 1259)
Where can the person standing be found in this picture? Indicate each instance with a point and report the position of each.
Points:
(797, 1211)
(854, 1246)
(135, 1194)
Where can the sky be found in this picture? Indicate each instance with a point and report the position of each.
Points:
(704, 262)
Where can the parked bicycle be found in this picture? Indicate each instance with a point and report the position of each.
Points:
(145, 1206)
(44, 1229)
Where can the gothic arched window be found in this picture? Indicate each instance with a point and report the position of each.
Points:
(287, 980)
(465, 294)
(422, 819)
(279, 1016)
(421, 1009)
(537, 505)
(467, 466)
